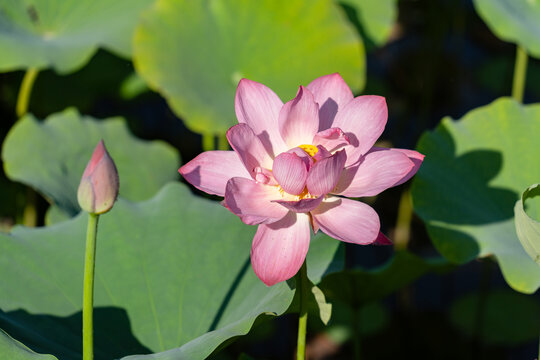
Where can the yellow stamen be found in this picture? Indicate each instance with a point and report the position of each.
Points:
(311, 150)
(290, 197)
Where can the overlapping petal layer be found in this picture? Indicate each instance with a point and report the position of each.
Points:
(253, 201)
(363, 120)
(279, 249)
(299, 119)
(325, 173)
(331, 93)
(249, 148)
(258, 107)
(374, 173)
(290, 172)
(347, 220)
(290, 160)
(211, 170)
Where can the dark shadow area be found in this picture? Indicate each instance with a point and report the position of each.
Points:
(62, 336)
(354, 17)
(338, 261)
(229, 295)
(455, 189)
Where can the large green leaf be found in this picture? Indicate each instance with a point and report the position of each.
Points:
(51, 156)
(211, 44)
(170, 269)
(358, 287)
(64, 34)
(516, 21)
(14, 350)
(467, 186)
(377, 17)
(505, 318)
(527, 228)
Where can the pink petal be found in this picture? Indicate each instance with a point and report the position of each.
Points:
(211, 170)
(322, 153)
(363, 120)
(332, 139)
(331, 93)
(98, 188)
(347, 220)
(279, 249)
(414, 156)
(264, 176)
(290, 172)
(308, 160)
(258, 106)
(249, 148)
(382, 240)
(324, 175)
(100, 151)
(301, 206)
(252, 201)
(299, 119)
(374, 173)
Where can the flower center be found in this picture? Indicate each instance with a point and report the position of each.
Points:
(290, 197)
(311, 150)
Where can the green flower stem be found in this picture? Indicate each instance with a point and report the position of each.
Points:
(30, 212)
(223, 143)
(302, 287)
(403, 224)
(356, 333)
(24, 92)
(520, 74)
(208, 143)
(88, 292)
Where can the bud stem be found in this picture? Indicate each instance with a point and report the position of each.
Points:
(24, 92)
(520, 74)
(302, 288)
(88, 291)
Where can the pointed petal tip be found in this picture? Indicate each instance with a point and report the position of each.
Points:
(382, 240)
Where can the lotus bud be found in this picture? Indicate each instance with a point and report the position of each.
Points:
(99, 183)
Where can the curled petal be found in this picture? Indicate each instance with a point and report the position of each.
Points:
(374, 173)
(324, 175)
(258, 106)
(332, 139)
(249, 148)
(264, 176)
(363, 120)
(308, 160)
(302, 205)
(414, 156)
(252, 201)
(322, 153)
(331, 93)
(347, 220)
(279, 249)
(290, 172)
(211, 170)
(299, 119)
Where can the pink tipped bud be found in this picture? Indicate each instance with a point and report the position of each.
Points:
(99, 183)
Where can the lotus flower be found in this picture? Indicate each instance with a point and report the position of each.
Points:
(293, 164)
(99, 184)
